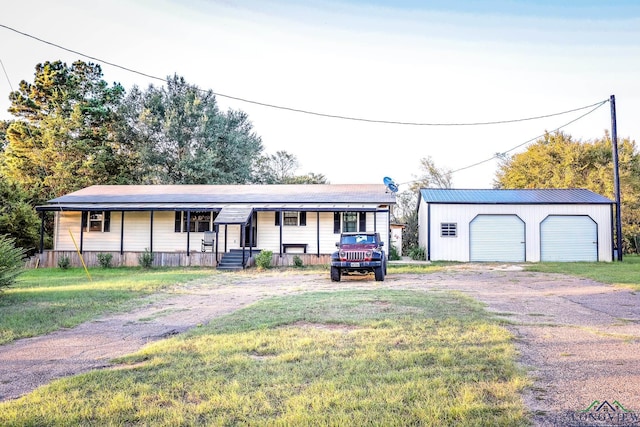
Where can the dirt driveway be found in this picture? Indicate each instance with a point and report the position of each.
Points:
(579, 339)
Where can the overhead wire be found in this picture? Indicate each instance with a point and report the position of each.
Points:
(299, 110)
(6, 75)
(532, 139)
(342, 117)
(500, 154)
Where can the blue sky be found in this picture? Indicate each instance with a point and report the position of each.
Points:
(408, 61)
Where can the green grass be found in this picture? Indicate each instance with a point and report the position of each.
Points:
(45, 300)
(379, 358)
(625, 273)
(408, 268)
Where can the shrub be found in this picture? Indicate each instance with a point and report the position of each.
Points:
(145, 259)
(263, 259)
(418, 253)
(297, 261)
(11, 261)
(64, 262)
(105, 260)
(393, 253)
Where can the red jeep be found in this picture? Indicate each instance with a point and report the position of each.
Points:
(359, 253)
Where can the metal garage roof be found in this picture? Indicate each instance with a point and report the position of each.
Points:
(515, 196)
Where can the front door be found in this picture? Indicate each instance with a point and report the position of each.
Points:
(251, 231)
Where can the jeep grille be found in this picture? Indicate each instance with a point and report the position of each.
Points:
(355, 255)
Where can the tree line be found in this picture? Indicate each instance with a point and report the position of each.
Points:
(72, 129)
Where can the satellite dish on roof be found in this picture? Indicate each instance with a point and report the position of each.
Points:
(391, 185)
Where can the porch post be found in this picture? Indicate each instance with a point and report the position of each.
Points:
(83, 218)
(121, 232)
(42, 231)
(217, 229)
(226, 228)
(188, 231)
(151, 232)
(251, 234)
(318, 232)
(280, 222)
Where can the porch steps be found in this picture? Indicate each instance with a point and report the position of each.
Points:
(232, 260)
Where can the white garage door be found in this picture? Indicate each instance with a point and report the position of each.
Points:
(568, 238)
(497, 238)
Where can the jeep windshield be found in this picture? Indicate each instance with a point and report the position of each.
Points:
(358, 239)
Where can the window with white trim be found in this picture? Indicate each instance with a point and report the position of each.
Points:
(291, 218)
(97, 221)
(448, 229)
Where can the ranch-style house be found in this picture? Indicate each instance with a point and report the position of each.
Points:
(212, 225)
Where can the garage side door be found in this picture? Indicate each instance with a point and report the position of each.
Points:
(497, 238)
(568, 238)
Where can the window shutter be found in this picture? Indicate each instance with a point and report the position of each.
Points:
(106, 225)
(336, 222)
(278, 218)
(363, 221)
(178, 222)
(303, 218)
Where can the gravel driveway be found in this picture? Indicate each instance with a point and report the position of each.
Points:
(579, 339)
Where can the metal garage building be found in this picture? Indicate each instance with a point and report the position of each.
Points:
(515, 225)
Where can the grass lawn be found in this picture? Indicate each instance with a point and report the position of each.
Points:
(625, 273)
(45, 300)
(380, 357)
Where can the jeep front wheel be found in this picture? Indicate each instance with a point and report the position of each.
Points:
(378, 273)
(335, 274)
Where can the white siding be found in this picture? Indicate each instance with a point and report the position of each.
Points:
(165, 239)
(457, 249)
(137, 230)
(91, 240)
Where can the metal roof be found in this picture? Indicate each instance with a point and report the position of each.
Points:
(177, 196)
(233, 216)
(514, 196)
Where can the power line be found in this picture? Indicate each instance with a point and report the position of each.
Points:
(6, 75)
(521, 144)
(532, 139)
(298, 110)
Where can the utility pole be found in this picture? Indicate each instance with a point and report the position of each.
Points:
(616, 175)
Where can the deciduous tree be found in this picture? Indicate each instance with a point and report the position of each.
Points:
(406, 210)
(280, 168)
(558, 161)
